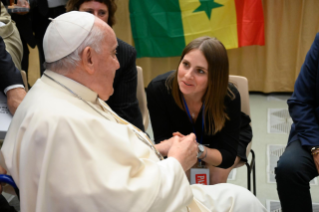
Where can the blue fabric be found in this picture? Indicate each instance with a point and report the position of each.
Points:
(304, 102)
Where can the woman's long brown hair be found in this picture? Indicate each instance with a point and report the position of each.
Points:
(217, 87)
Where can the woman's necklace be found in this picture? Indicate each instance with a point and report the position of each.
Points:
(194, 112)
(193, 108)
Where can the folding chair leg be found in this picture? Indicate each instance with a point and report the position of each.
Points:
(248, 176)
(254, 171)
(251, 168)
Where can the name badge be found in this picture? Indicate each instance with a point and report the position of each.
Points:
(199, 176)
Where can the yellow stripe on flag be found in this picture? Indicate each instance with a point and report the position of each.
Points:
(222, 24)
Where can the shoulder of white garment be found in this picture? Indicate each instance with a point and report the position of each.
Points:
(51, 120)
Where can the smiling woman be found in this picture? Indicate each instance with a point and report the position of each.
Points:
(198, 98)
(192, 75)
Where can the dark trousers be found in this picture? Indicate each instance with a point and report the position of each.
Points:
(4, 205)
(295, 169)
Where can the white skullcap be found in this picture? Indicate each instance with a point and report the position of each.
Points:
(65, 34)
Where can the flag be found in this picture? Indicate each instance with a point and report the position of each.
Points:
(162, 28)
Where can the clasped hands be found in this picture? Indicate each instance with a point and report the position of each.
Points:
(182, 148)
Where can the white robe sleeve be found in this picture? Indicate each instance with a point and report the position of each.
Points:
(80, 163)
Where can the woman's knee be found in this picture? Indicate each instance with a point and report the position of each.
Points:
(214, 179)
(218, 175)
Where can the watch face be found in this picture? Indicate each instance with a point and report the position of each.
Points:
(201, 148)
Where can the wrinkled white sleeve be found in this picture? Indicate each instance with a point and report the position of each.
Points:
(86, 164)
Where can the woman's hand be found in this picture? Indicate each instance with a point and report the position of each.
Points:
(165, 145)
(178, 134)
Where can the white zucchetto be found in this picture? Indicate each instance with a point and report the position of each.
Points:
(65, 34)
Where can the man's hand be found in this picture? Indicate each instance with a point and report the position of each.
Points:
(2, 171)
(184, 150)
(14, 98)
(23, 3)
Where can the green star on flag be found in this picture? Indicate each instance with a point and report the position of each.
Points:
(162, 28)
(207, 6)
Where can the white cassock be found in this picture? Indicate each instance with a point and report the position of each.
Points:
(65, 156)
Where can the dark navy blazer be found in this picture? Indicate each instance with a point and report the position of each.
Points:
(304, 102)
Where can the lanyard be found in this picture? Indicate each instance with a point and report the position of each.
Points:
(193, 124)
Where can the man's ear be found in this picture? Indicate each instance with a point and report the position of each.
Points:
(87, 60)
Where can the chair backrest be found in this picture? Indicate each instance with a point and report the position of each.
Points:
(25, 81)
(241, 83)
(141, 97)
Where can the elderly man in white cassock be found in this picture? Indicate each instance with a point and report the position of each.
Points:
(68, 151)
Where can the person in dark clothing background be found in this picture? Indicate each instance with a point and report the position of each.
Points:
(41, 11)
(33, 24)
(299, 163)
(123, 101)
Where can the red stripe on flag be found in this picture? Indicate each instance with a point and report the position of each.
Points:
(250, 22)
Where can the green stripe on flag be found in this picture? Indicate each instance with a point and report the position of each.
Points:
(157, 28)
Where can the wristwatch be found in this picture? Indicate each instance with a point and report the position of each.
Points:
(201, 150)
(314, 148)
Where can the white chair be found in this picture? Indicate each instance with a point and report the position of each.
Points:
(241, 83)
(141, 97)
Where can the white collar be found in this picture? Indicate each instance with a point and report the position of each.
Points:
(84, 92)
